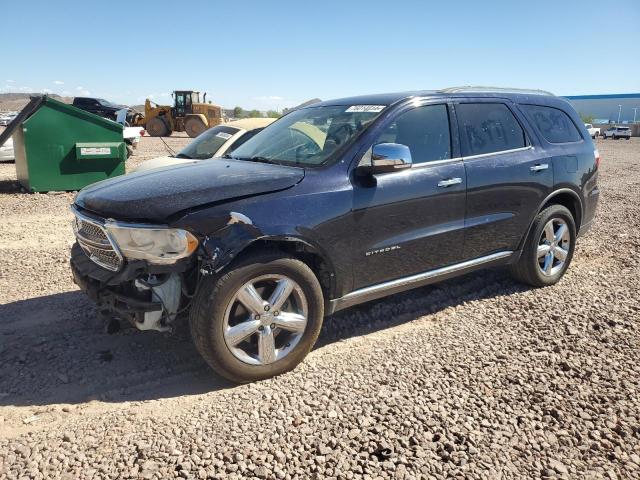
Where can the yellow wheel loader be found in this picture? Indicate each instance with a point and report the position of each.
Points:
(186, 115)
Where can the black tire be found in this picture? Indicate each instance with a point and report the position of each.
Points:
(527, 269)
(207, 315)
(194, 126)
(156, 127)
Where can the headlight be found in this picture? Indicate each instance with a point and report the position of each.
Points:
(156, 244)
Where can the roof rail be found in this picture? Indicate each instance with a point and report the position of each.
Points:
(475, 88)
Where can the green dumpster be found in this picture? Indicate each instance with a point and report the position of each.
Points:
(60, 147)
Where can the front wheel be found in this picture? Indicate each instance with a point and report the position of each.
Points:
(194, 127)
(258, 320)
(548, 249)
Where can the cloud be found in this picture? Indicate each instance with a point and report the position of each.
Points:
(45, 90)
(58, 82)
(10, 81)
(83, 91)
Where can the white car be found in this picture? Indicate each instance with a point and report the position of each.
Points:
(215, 142)
(593, 131)
(617, 132)
(6, 151)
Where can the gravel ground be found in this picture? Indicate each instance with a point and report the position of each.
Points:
(477, 377)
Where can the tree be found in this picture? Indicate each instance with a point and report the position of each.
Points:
(238, 112)
(273, 114)
(255, 114)
(586, 118)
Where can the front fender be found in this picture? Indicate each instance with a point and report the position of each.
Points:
(219, 249)
(197, 115)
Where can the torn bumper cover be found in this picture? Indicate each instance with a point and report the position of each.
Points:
(121, 294)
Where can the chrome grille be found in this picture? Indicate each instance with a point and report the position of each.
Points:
(92, 232)
(95, 242)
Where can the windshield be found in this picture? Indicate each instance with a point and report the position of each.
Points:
(208, 143)
(106, 103)
(309, 136)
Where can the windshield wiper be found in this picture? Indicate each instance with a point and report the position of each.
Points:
(182, 155)
(257, 159)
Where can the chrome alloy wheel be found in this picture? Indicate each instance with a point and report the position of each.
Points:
(553, 246)
(265, 319)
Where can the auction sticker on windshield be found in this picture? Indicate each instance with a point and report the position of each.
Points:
(365, 108)
(224, 135)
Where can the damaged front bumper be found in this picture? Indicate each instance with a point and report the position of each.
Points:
(148, 296)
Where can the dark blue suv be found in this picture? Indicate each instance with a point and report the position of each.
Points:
(336, 204)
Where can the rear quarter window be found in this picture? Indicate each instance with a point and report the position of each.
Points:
(554, 124)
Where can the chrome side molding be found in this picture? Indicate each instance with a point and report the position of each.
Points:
(412, 281)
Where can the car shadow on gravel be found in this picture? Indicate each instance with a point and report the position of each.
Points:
(407, 306)
(54, 349)
(10, 186)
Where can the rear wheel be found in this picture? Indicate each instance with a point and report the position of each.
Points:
(156, 127)
(548, 249)
(194, 126)
(258, 320)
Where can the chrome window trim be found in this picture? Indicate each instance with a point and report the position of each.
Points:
(419, 277)
(430, 163)
(501, 152)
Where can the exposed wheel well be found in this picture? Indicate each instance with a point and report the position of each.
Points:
(302, 251)
(569, 201)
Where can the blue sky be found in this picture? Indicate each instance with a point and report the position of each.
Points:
(270, 54)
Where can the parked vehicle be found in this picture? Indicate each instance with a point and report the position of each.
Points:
(617, 132)
(6, 151)
(593, 131)
(215, 142)
(7, 117)
(132, 137)
(98, 106)
(402, 190)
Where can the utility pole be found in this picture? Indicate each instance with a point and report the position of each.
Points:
(635, 110)
(619, 112)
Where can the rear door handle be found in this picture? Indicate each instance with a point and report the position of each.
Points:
(537, 168)
(450, 181)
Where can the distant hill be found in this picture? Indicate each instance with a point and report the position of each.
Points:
(17, 101)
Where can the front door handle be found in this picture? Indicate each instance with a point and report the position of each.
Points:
(450, 181)
(539, 167)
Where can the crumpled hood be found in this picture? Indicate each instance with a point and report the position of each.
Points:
(156, 195)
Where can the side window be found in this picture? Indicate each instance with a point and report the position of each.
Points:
(425, 130)
(554, 125)
(243, 139)
(488, 128)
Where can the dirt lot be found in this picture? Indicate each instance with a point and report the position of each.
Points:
(475, 378)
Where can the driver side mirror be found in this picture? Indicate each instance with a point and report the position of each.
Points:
(388, 157)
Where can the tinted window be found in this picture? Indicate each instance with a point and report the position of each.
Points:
(554, 125)
(487, 128)
(425, 130)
